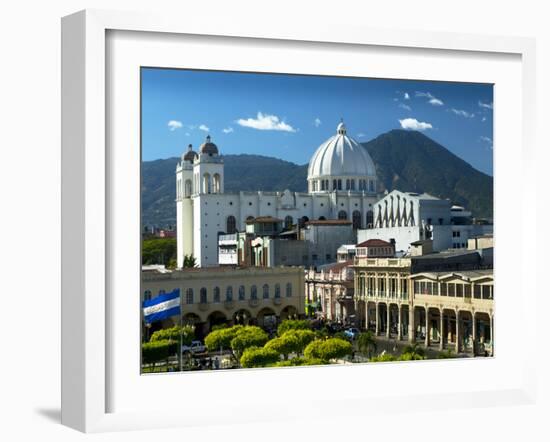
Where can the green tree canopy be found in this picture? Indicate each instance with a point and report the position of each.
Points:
(246, 337)
(221, 338)
(158, 250)
(333, 348)
(173, 334)
(366, 343)
(259, 357)
(152, 352)
(293, 324)
(285, 344)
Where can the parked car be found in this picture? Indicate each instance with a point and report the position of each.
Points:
(194, 347)
(351, 333)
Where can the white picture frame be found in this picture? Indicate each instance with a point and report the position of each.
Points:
(87, 169)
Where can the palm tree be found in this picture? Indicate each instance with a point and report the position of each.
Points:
(189, 261)
(367, 343)
(414, 350)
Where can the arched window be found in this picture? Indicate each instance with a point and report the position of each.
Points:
(203, 296)
(189, 296)
(303, 221)
(277, 290)
(231, 225)
(370, 219)
(206, 187)
(288, 289)
(265, 291)
(339, 184)
(216, 183)
(288, 222)
(253, 292)
(229, 293)
(356, 219)
(371, 186)
(342, 214)
(334, 184)
(322, 218)
(352, 184)
(241, 293)
(348, 185)
(216, 294)
(188, 188)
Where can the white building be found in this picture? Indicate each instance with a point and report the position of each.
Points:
(341, 179)
(407, 217)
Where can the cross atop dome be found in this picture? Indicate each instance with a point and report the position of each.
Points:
(341, 128)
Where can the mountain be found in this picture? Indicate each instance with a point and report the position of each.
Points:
(405, 160)
(410, 161)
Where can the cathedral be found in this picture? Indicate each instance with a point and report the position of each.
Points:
(342, 184)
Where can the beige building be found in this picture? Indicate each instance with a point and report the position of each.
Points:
(217, 295)
(443, 309)
(330, 291)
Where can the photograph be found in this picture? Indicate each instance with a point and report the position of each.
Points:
(302, 220)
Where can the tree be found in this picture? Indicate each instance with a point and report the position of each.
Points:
(293, 324)
(156, 351)
(221, 338)
(173, 334)
(366, 343)
(158, 250)
(285, 344)
(259, 357)
(246, 337)
(189, 261)
(333, 348)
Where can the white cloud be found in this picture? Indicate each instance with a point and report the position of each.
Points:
(204, 128)
(431, 99)
(361, 135)
(406, 96)
(266, 122)
(404, 106)
(187, 134)
(462, 113)
(414, 124)
(487, 140)
(485, 105)
(227, 130)
(317, 122)
(174, 124)
(484, 119)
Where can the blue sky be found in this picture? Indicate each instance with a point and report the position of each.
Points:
(289, 116)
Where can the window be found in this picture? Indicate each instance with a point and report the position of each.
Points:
(451, 289)
(277, 290)
(203, 296)
(334, 184)
(288, 289)
(342, 214)
(288, 222)
(443, 289)
(348, 185)
(241, 293)
(253, 292)
(327, 256)
(189, 296)
(265, 291)
(356, 219)
(370, 218)
(339, 184)
(229, 293)
(352, 184)
(477, 291)
(231, 224)
(216, 294)
(147, 295)
(440, 221)
(314, 257)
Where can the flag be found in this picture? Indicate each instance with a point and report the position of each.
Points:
(162, 307)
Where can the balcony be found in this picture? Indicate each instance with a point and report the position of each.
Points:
(253, 302)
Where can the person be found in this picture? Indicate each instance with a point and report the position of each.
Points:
(216, 363)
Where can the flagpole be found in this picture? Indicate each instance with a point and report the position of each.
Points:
(181, 332)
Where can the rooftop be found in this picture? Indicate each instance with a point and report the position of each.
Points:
(264, 219)
(446, 254)
(328, 222)
(375, 243)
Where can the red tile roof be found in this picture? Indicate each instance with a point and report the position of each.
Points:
(375, 243)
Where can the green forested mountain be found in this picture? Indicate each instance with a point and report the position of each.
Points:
(405, 160)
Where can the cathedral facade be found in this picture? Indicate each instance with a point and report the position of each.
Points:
(342, 184)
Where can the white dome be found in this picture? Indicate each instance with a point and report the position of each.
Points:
(341, 157)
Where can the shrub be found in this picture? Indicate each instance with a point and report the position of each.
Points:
(333, 348)
(293, 324)
(248, 336)
(259, 357)
(221, 338)
(385, 357)
(173, 334)
(152, 352)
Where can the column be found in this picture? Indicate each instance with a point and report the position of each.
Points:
(377, 326)
(411, 324)
(474, 340)
(366, 315)
(399, 333)
(492, 333)
(441, 329)
(457, 331)
(427, 337)
(388, 319)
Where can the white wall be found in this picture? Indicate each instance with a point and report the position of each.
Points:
(30, 140)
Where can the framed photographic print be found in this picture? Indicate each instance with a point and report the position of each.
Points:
(251, 210)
